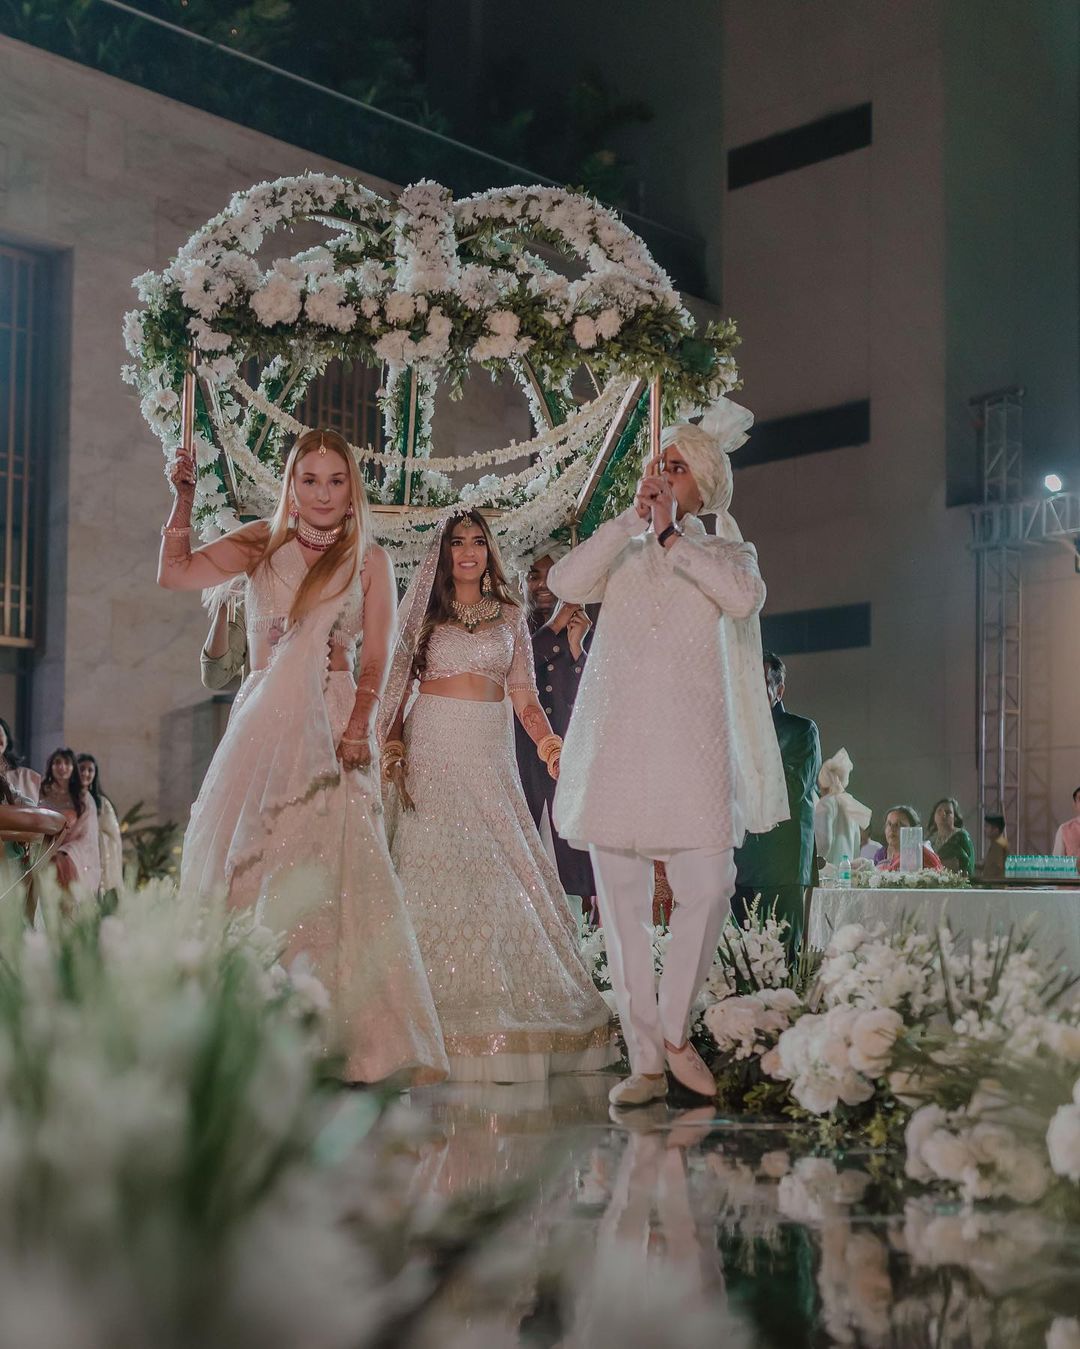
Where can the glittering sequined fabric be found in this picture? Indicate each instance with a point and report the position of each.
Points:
(664, 656)
(498, 941)
(501, 651)
(279, 827)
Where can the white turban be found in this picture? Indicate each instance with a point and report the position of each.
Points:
(552, 548)
(706, 448)
(836, 772)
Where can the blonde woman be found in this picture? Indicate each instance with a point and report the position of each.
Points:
(288, 820)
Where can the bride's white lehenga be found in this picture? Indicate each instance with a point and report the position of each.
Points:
(282, 828)
(500, 947)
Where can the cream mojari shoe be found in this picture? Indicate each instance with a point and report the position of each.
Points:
(637, 1089)
(688, 1067)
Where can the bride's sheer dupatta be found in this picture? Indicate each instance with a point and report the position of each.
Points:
(411, 614)
(280, 717)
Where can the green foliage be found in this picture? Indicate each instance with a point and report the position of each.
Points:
(153, 849)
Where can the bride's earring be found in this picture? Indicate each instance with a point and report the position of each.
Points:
(485, 584)
(350, 512)
(294, 514)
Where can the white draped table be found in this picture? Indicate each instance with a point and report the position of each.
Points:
(1053, 915)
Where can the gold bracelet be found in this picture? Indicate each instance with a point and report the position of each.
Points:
(392, 745)
(344, 741)
(363, 688)
(175, 531)
(549, 747)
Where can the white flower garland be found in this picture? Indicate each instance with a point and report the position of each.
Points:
(422, 284)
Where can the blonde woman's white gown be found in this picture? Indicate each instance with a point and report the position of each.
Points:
(280, 826)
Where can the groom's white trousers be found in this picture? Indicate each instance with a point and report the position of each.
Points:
(702, 881)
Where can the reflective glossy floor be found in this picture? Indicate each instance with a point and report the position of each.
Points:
(682, 1227)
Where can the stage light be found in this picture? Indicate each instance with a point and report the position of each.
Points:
(1053, 482)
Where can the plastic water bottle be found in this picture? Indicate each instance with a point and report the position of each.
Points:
(843, 873)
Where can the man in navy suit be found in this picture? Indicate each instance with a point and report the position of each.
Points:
(779, 865)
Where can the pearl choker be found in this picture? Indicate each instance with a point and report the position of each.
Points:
(318, 540)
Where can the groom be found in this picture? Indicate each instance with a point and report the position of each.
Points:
(671, 753)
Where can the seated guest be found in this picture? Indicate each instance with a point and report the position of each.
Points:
(888, 857)
(1067, 838)
(23, 781)
(949, 839)
(870, 845)
(997, 848)
(838, 818)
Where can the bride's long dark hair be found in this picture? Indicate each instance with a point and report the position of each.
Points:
(442, 588)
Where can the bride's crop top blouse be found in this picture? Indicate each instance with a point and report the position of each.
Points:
(501, 652)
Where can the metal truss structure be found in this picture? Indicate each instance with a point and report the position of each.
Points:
(1003, 528)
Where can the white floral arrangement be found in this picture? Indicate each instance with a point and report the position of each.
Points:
(912, 1028)
(925, 878)
(423, 285)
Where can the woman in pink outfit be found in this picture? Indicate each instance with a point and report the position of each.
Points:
(78, 858)
(288, 820)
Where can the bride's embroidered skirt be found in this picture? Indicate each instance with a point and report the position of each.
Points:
(499, 943)
(322, 877)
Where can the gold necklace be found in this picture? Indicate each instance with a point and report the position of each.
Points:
(470, 616)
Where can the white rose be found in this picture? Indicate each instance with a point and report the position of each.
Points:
(907, 1088)
(781, 999)
(817, 1093)
(948, 1155)
(1063, 1142)
(1062, 1040)
(921, 1126)
(770, 1063)
(872, 1038)
(847, 938)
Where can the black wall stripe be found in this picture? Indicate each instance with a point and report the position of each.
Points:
(837, 134)
(839, 628)
(806, 433)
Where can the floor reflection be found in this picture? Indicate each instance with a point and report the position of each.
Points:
(728, 1232)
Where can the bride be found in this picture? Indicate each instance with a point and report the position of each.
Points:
(288, 820)
(494, 926)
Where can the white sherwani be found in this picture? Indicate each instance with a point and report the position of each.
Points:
(649, 762)
(670, 754)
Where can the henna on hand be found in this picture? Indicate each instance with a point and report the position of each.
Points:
(535, 722)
